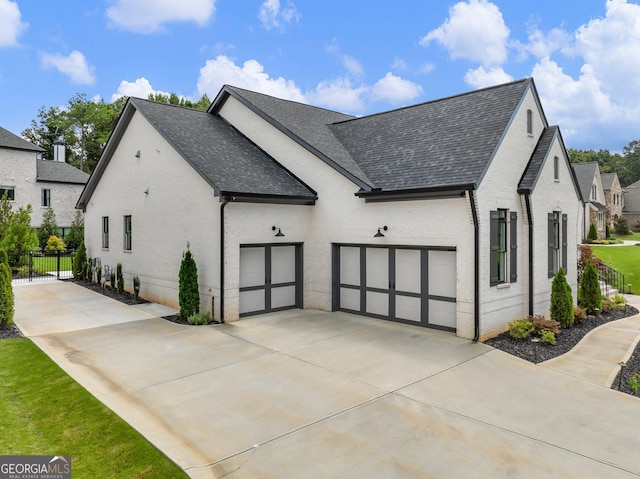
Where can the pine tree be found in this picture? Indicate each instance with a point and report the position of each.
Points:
(593, 233)
(561, 300)
(76, 234)
(48, 228)
(188, 293)
(6, 292)
(79, 262)
(589, 293)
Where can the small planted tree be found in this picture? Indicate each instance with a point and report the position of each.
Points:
(136, 288)
(80, 262)
(6, 292)
(621, 226)
(120, 278)
(188, 292)
(593, 233)
(48, 228)
(17, 235)
(561, 309)
(589, 293)
(76, 234)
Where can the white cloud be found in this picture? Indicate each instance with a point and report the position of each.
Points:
(542, 44)
(475, 30)
(140, 88)
(146, 16)
(481, 77)
(272, 15)
(11, 25)
(395, 90)
(339, 94)
(353, 66)
(75, 66)
(251, 75)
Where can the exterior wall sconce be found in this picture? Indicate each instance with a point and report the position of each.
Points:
(380, 234)
(146, 192)
(138, 154)
(279, 233)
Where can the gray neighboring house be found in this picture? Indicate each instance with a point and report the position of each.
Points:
(613, 196)
(452, 214)
(29, 179)
(593, 195)
(631, 209)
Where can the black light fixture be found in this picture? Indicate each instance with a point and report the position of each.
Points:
(380, 234)
(279, 233)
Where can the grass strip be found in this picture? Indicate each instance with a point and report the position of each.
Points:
(43, 411)
(625, 259)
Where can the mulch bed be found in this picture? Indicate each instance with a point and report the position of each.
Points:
(566, 340)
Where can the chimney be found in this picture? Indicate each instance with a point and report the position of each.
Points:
(59, 150)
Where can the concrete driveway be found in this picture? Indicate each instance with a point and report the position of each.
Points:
(309, 394)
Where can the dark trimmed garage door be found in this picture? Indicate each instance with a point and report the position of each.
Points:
(406, 284)
(270, 278)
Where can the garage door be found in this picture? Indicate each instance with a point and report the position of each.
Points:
(405, 284)
(270, 278)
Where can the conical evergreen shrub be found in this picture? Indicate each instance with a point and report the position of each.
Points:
(6, 291)
(561, 300)
(589, 294)
(188, 292)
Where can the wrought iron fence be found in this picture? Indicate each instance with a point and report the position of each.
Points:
(43, 266)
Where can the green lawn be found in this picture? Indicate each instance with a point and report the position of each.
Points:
(632, 237)
(625, 259)
(50, 263)
(43, 411)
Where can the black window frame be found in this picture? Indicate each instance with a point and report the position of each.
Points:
(10, 190)
(127, 232)
(556, 168)
(45, 197)
(529, 122)
(503, 255)
(105, 232)
(557, 242)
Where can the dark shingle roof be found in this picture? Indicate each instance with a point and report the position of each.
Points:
(223, 156)
(532, 172)
(9, 140)
(60, 172)
(607, 180)
(631, 196)
(442, 143)
(584, 174)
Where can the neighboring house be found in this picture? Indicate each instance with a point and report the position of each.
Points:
(595, 209)
(453, 214)
(29, 179)
(631, 209)
(614, 199)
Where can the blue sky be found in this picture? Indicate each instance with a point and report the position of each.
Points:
(352, 56)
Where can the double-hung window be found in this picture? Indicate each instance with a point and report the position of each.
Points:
(127, 233)
(105, 232)
(504, 247)
(557, 235)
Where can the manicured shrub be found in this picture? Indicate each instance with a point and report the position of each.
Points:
(548, 337)
(55, 244)
(113, 279)
(80, 263)
(98, 271)
(561, 301)
(521, 328)
(621, 226)
(6, 292)
(579, 314)
(606, 304)
(136, 288)
(589, 294)
(200, 318)
(593, 233)
(607, 233)
(540, 324)
(120, 278)
(188, 291)
(634, 382)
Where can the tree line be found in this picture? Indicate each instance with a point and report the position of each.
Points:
(85, 125)
(626, 165)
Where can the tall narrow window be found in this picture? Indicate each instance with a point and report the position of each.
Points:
(556, 168)
(558, 242)
(594, 192)
(127, 233)
(529, 122)
(45, 195)
(105, 232)
(503, 254)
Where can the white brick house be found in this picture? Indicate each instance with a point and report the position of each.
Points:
(29, 179)
(451, 214)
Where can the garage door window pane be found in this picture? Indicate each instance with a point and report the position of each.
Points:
(285, 296)
(377, 268)
(408, 270)
(350, 265)
(442, 313)
(442, 273)
(377, 303)
(283, 264)
(251, 301)
(408, 308)
(251, 267)
(350, 299)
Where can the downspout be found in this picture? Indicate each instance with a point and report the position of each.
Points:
(476, 267)
(225, 202)
(527, 202)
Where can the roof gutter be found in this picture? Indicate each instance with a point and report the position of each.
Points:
(527, 203)
(476, 266)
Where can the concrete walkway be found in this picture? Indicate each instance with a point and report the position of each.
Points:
(310, 394)
(598, 356)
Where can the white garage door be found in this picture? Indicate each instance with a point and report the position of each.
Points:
(405, 284)
(270, 278)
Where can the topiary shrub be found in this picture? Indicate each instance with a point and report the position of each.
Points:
(621, 226)
(561, 300)
(80, 262)
(55, 244)
(188, 291)
(593, 233)
(6, 292)
(136, 288)
(120, 278)
(521, 329)
(589, 294)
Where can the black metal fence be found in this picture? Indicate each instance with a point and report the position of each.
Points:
(43, 266)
